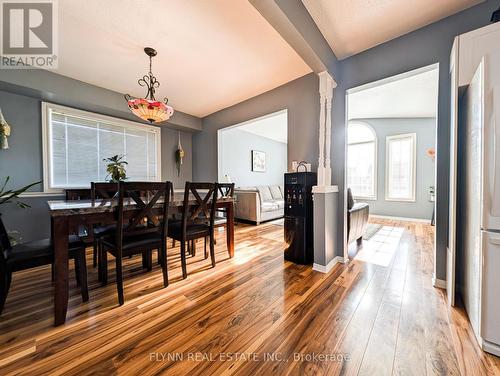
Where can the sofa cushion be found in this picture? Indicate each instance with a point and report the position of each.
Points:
(264, 193)
(268, 206)
(280, 203)
(275, 192)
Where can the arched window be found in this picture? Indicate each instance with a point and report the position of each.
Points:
(362, 160)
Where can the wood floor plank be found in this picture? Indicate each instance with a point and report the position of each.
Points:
(376, 315)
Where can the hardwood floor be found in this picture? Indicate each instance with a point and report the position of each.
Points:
(255, 314)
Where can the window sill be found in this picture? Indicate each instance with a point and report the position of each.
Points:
(400, 199)
(364, 198)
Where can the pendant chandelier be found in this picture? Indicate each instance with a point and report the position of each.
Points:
(149, 108)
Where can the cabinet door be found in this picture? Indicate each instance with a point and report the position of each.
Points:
(489, 299)
(473, 46)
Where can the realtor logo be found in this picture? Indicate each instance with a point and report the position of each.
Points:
(29, 30)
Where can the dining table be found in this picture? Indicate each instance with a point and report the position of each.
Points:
(67, 217)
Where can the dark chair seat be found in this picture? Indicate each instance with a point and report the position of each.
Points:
(41, 252)
(36, 253)
(193, 231)
(104, 230)
(132, 243)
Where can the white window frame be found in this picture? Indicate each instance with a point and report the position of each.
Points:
(388, 139)
(375, 160)
(47, 109)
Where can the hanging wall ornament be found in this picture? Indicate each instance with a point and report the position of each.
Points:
(4, 132)
(179, 155)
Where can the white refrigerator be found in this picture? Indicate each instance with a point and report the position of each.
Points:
(478, 220)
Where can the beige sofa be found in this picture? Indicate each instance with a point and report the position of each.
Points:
(259, 204)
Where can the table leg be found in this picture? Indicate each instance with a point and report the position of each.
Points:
(61, 292)
(230, 229)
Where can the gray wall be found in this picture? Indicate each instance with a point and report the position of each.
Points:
(300, 97)
(425, 128)
(236, 153)
(425, 46)
(52, 87)
(23, 161)
(428, 45)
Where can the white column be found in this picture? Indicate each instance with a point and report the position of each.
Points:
(328, 140)
(325, 195)
(321, 158)
(326, 86)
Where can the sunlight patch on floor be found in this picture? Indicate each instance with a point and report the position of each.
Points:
(381, 247)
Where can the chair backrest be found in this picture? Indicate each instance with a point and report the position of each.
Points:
(78, 194)
(153, 200)
(4, 247)
(350, 199)
(103, 190)
(225, 189)
(203, 207)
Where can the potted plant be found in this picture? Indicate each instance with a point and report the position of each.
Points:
(12, 195)
(116, 168)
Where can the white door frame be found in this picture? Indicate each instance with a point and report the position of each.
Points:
(368, 86)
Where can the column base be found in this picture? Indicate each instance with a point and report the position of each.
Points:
(325, 228)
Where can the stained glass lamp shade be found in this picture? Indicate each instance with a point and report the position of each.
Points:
(149, 108)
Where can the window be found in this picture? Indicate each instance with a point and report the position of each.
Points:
(76, 142)
(362, 161)
(400, 167)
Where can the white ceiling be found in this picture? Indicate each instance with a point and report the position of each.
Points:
(410, 97)
(211, 53)
(352, 26)
(273, 126)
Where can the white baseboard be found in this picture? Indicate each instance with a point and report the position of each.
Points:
(439, 283)
(329, 266)
(406, 219)
(491, 348)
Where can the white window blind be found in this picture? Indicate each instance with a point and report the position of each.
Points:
(400, 167)
(362, 161)
(76, 142)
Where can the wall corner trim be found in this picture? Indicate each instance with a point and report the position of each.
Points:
(325, 189)
(326, 268)
(438, 283)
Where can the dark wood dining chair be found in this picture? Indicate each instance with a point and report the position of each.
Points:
(102, 191)
(197, 219)
(29, 255)
(224, 190)
(96, 191)
(77, 194)
(140, 233)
